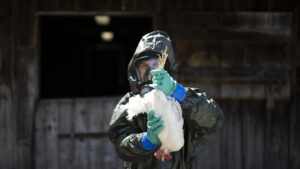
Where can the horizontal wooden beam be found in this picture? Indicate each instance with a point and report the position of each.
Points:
(82, 135)
(253, 26)
(234, 74)
(92, 13)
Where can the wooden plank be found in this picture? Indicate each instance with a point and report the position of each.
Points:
(277, 136)
(210, 156)
(89, 116)
(230, 55)
(6, 128)
(5, 42)
(81, 121)
(254, 90)
(110, 105)
(65, 157)
(67, 5)
(127, 5)
(95, 5)
(295, 163)
(65, 146)
(231, 146)
(96, 153)
(112, 155)
(95, 115)
(81, 155)
(65, 118)
(3, 132)
(24, 92)
(294, 149)
(40, 138)
(100, 113)
(77, 4)
(81, 115)
(253, 133)
(235, 90)
(239, 90)
(51, 113)
(229, 25)
(211, 89)
(72, 140)
(116, 5)
(102, 154)
(49, 5)
(233, 59)
(25, 17)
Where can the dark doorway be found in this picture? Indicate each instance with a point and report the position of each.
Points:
(82, 56)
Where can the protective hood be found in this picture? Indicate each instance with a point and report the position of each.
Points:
(156, 42)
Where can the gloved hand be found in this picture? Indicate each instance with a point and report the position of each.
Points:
(163, 81)
(154, 127)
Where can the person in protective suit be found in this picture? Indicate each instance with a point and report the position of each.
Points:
(136, 141)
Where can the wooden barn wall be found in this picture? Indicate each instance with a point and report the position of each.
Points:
(72, 134)
(19, 84)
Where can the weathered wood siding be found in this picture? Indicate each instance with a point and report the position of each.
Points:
(234, 55)
(72, 133)
(19, 80)
(248, 140)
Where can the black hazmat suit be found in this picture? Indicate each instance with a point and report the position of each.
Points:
(202, 116)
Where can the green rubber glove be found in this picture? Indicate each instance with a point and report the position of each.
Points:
(163, 81)
(154, 127)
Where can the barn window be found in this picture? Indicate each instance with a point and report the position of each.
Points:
(83, 56)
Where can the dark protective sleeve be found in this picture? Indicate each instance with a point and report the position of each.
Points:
(202, 114)
(126, 137)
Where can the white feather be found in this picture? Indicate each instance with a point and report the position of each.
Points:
(171, 136)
